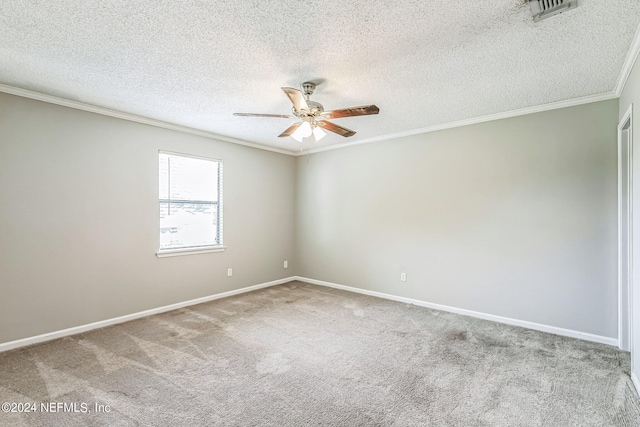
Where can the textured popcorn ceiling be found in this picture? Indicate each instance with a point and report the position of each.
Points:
(423, 62)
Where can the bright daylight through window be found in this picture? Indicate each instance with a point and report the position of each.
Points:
(190, 195)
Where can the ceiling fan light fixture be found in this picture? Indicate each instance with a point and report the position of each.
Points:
(319, 133)
(303, 131)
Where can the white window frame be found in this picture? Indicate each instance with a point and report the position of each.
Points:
(219, 247)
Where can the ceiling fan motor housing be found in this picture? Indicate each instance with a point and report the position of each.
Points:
(314, 109)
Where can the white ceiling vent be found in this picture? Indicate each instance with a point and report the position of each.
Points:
(543, 9)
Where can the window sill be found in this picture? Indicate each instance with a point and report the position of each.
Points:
(190, 251)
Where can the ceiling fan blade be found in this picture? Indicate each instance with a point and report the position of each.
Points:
(364, 110)
(332, 127)
(283, 116)
(297, 98)
(291, 129)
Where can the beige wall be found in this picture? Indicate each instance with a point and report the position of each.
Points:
(514, 218)
(79, 219)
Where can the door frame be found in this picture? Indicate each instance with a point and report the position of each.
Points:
(625, 290)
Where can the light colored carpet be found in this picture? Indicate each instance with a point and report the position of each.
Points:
(303, 355)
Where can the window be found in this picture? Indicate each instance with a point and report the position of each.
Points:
(190, 196)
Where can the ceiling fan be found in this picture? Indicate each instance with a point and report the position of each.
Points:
(313, 118)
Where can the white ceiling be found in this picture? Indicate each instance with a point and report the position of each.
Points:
(424, 63)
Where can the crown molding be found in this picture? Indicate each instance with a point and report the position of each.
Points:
(498, 116)
(131, 117)
(632, 55)
(450, 125)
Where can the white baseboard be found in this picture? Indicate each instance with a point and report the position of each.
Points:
(635, 382)
(108, 322)
(494, 318)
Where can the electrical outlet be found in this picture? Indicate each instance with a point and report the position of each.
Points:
(403, 277)
(229, 272)
(286, 264)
